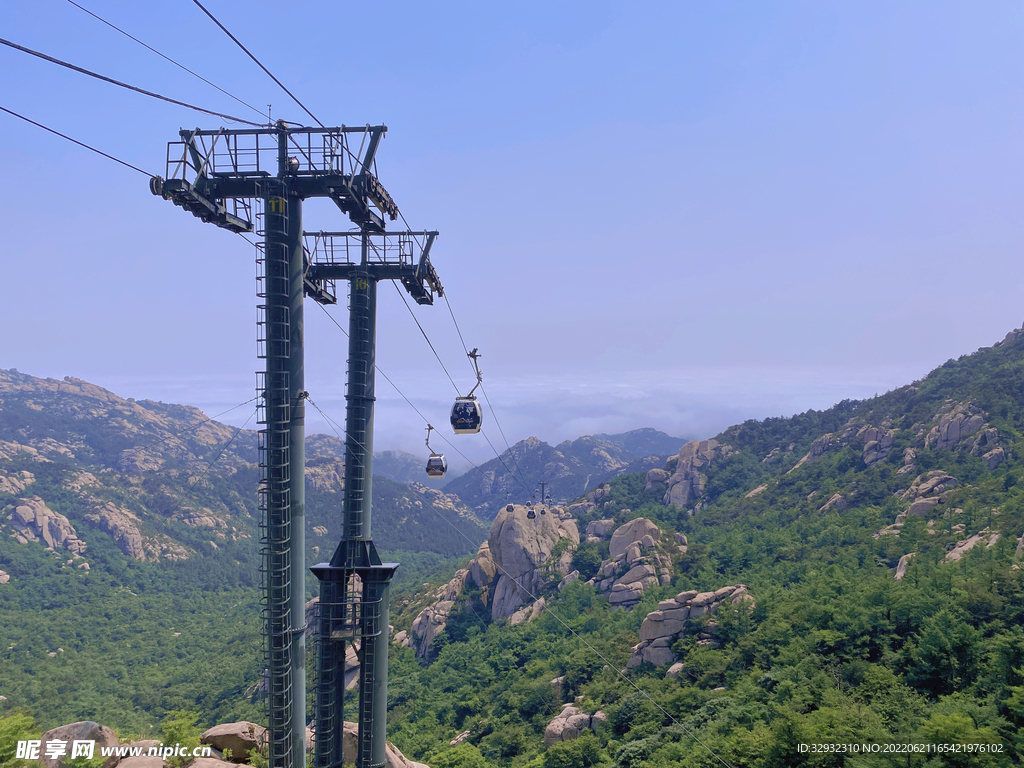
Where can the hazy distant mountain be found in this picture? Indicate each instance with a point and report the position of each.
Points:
(404, 467)
(645, 441)
(569, 468)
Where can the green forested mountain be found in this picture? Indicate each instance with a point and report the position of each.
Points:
(881, 543)
(128, 552)
(878, 542)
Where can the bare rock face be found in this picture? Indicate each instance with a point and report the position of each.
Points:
(984, 536)
(429, 624)
(877, 444)
(519, 547)
(636, 563)
(930, 483)
(147, 761)
(138, 460)
(689, 479)
(819, 448)
(85, 730)
(600, 528)
(661, 627)
(836, 501)
(528, 612)
(909, 456)
(956, 422)
(240, 738)
(656, 477)
(628, 534)
(32, 520)
(901, 567)
(482, 568)
(122, 525)
(994, 458)
(569, 724)
(4, 577)
(512, 566)
(210, 762)
(15, 483)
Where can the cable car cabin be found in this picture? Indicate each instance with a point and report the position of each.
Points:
(530, 514)
(467, 417)
(436, 465)
(509, 508)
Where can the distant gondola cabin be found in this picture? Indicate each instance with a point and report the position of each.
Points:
(437, 465)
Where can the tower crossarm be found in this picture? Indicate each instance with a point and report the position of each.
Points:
(208, 172)
(403, 256)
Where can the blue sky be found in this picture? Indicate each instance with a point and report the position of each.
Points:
(666, 214)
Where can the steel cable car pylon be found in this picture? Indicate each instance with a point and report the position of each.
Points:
(467, 416)
(216, 175)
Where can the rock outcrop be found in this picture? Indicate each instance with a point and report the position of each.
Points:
(837, 501)
(4, 577)
(599, 529)
(121, 524)
(687, 482)
(877, 444)
(637, 561)
(510, 569)
(240, 738)
(528, 612)
(32, 520)
(909, 457)
(570, 723)
(519, 547)
(929, 484)
(16, 482)
(957, 421)
(662, 626)
(430, 623)
(655, 478)
(85, 730)
(392, 754)
(984, 536)
(901, 566)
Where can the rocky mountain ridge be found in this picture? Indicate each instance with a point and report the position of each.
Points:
(165, 483)
(568, 469)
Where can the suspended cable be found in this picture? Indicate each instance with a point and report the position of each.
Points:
(188, 491)
(168, 58)
(482, 389)
(110, 80)
(400, 392)
(79, 143)
(199, 424)
(495, 415)
(458, 330)
(416, 320)
(497, 455)
(258, 63)
(596, 652)
(335, 427)
(510, 472)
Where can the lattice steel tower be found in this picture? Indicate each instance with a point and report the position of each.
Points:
(256, 180)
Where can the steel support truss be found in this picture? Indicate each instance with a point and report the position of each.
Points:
(255, 181)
